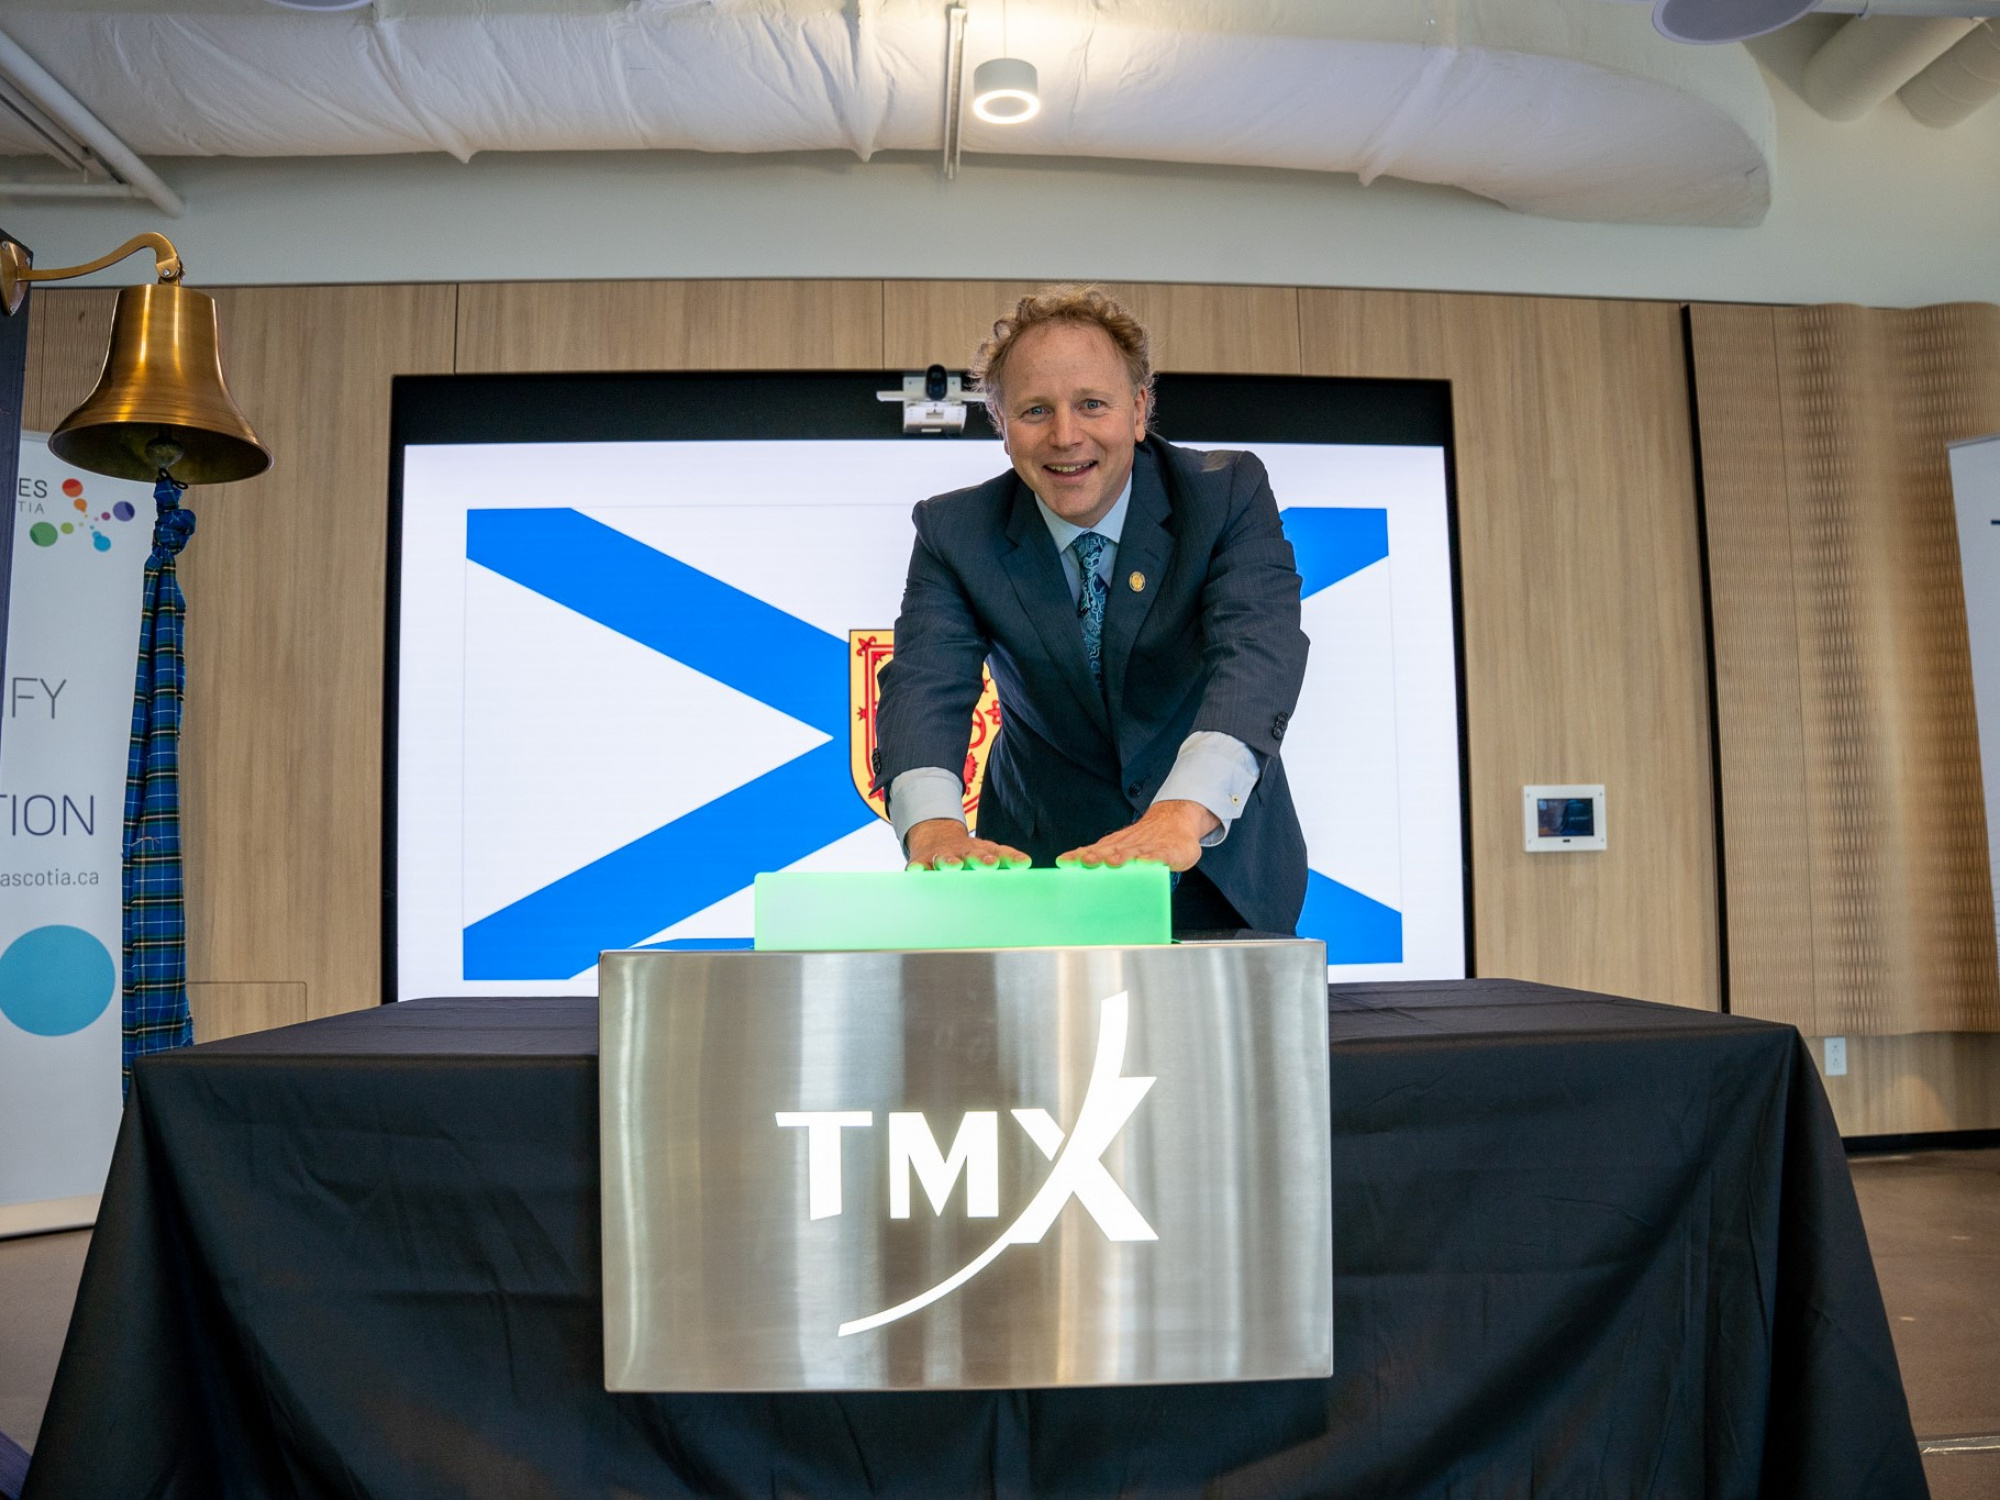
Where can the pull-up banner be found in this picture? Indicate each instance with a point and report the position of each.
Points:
(80, 544)
(1975, 484)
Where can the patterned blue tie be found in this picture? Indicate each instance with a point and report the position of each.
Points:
(1089, 550)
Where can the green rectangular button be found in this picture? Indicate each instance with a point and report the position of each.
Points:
(975, 908)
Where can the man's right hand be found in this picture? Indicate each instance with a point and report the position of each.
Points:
(946, 844)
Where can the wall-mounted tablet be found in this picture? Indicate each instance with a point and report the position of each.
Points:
(1556, 819)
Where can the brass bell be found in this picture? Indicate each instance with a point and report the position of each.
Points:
(161, 400)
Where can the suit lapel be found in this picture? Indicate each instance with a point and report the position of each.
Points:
(1037, 575)
(1145, 548)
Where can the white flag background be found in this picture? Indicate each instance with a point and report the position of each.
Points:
(623, 690)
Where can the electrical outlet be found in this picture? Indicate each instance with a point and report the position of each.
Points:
(1836, 1057)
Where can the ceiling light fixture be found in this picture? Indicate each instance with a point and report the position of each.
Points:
(1006, 90)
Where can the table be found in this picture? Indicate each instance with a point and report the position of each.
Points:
(1583, 1246)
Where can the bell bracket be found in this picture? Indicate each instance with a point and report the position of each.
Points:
(16, 272)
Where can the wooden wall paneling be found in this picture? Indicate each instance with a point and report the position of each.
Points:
(1217, 330)
(232, 1009)
(1391, 335)
(1601, 658)
(65, 352)
(1902, 913)
(1948, 390)
(1522, 691)
(1582, 596)
(282, 760)
(1851, 798)
(1845, 623)
(523, 327)
(1760, 733)
(1915, 1083)
(941, 322)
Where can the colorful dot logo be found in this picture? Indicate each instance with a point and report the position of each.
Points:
(48, 533)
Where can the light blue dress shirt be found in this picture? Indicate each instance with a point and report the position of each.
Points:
(1215, 769)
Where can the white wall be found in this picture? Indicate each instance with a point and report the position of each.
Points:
(1883, 211)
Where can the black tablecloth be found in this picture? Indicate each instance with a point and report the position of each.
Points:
(1583, 1247)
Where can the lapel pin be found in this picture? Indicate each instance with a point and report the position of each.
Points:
(1138, 582)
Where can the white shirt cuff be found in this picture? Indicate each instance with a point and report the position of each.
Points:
(926, 792)
(1215, 769)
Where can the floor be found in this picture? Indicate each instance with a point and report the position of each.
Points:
(1933, 1221)
(1934, 1224)
(38, 1278)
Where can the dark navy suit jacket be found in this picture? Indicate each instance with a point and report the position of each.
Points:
(1210, 640)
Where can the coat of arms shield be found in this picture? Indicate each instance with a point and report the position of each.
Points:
(867, 652)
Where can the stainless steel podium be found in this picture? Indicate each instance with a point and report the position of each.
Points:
(965, 1169)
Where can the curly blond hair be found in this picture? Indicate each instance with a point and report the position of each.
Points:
(1081, 306)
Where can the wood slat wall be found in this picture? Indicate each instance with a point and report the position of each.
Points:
(1761, 727)
(1580, 560)
(524, 327)
(284, 742)
(1853, 819)
(1584, 651)
(1217, 330)
(1902, 923)
(1853, 814)
(1913, 1084)
(65, 352)
(223, 1010)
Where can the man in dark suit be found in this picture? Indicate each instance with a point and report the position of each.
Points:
(1138, 606)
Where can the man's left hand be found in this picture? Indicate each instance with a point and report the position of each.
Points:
(1169, 834)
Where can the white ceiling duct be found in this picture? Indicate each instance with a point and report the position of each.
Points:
(1963, 81)
(1871, 57)
(1566, 108)
(77, 138)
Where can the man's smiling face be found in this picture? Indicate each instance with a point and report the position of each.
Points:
(1070, 418)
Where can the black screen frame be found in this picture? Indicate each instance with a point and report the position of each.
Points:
(822, 405)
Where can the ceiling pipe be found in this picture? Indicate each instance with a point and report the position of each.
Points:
(60, 105)
(69, 190)
(1964, 80)
(954, 88)
(1963, 9)
(1871, 57)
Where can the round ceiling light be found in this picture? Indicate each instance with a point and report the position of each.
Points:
(1724, 20)
(319, 4)
(1006, 91)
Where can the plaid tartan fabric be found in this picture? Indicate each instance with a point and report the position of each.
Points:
(156, 1005)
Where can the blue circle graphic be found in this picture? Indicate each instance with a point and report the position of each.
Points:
(55, 980)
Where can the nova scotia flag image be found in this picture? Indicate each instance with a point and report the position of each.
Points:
(624, 690)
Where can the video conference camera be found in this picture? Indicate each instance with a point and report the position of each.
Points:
(934, 403)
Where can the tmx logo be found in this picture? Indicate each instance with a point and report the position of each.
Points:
(1108, 1102)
